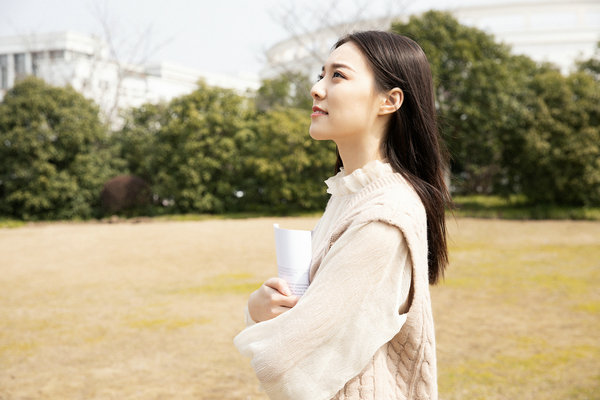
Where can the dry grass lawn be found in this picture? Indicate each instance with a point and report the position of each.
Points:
(149, 310)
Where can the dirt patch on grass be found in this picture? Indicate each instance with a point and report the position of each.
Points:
(149, 310)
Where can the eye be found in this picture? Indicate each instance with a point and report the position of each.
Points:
(319, 77)
(337, 75)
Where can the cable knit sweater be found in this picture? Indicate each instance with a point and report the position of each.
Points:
(356, 333)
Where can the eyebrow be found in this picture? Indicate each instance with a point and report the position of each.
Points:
(339, 65)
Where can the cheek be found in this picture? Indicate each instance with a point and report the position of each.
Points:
(358, 97)
(355, 107)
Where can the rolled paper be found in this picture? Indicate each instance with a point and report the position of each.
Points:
(294, 253)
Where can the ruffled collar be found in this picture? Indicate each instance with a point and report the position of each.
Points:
(342, 183)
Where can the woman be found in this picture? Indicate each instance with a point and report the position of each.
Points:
(364, 328)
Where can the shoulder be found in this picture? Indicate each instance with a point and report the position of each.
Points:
(377, 231)
(392, 201)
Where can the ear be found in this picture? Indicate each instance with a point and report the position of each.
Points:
(391, 102)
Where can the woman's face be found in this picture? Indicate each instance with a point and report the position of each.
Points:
(345, 100)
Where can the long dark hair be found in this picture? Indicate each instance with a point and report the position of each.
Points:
(412, 144)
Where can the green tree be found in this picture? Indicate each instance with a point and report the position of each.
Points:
(54, 156)
(187, 150)
(283, 168)
(591, 65)
(558, 153)
(137, 139)
(512, 126)
(289, 90)
(215, 151)
(474, 92)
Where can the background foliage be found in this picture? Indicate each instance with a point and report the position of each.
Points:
(54, 154)
(513, 127)
(216, 151)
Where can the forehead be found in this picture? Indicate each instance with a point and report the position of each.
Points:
(348, 54)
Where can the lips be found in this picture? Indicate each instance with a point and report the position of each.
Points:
(318, 111)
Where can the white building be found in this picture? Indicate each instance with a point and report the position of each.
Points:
(559, 31)
(82, 61)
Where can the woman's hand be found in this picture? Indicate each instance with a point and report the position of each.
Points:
(273, 298)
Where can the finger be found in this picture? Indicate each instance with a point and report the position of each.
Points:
(280, 285)
(279, 310)
(277, 299)
(288, 301)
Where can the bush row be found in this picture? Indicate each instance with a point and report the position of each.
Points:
(211, 151)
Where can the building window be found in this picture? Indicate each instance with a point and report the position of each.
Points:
(57, 54)
(36, 59)
(20, 70)
(3, 71)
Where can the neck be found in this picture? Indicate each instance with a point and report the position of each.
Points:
(356, 154)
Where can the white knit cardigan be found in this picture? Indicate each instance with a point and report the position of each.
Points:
(356, 334)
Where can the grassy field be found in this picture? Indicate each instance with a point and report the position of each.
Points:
(517, 207)
(149, 310)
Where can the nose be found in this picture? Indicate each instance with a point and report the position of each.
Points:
(317, 92)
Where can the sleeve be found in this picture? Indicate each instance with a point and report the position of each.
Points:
(349, 311)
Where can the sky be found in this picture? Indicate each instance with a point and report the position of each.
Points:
(228, 37)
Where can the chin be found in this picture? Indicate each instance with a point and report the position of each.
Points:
(315, 134)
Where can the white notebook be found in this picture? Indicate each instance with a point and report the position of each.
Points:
(294, 253)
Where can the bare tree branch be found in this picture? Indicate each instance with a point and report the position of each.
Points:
(137, 47)
(309, 28)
